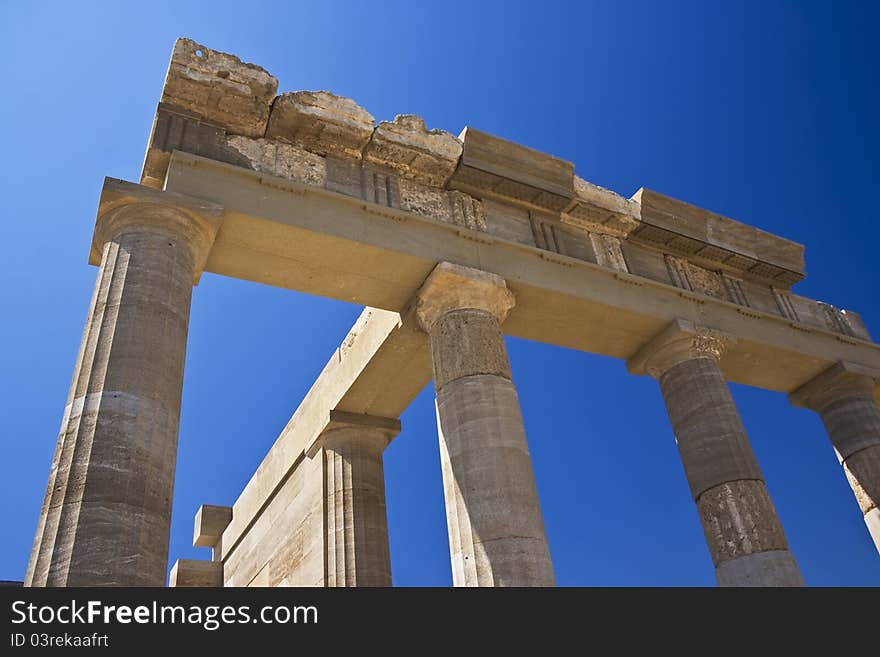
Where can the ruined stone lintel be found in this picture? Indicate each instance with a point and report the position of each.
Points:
(130, 208)
(598, 210)
(695, 232)
(497, 167)
(343, 426)
(187, 573)
(406, 146)
(211, 521)
(680, 341)
(220, 94)
(321, 122)
(220, 87)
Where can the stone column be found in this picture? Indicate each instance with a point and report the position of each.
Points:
(106, 516)
(744, 535)
(843, 395)
(496, 532)
(355, 520)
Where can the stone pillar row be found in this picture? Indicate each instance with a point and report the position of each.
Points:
(106, 515)
(744, 535)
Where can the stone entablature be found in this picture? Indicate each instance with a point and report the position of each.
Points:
(215, 106)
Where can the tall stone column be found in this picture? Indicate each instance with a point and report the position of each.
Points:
(843, 396)
(744, 535)
(355, 520)
(496, 532)
(106, 515)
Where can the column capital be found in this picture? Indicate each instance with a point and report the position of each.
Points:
(126, 206)
(680, 341)
(455, 287)
(841, 379)
(344, 427)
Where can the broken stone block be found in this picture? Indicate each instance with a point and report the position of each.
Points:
(599, 210)
(220, 88)
(408, 147)
(321, 122)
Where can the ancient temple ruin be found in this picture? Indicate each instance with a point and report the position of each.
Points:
(449, 243)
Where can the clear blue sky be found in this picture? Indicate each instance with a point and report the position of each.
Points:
(763, 111)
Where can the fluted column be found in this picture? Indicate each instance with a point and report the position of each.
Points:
(107, 511)
(496, 532)
(355, 520)
(843, 396)
(743, 532)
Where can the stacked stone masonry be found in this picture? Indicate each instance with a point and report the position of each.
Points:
(475, 181)
(454, 241)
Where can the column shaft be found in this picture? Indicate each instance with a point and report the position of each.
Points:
(744, 535)
(355, 519)
(496, 531)
(853, 424)
(106, 515)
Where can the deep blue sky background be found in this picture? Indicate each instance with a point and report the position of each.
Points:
(763, 111)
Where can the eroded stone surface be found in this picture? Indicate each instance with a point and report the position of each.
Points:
(407, 146)
(467, 342)
(321, 122)
(600, 210)
(739, 519)
(220, 88)
(282, 159)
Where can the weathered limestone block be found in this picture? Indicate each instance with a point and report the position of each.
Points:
(409, 148)
(210, 523)
(497, 167)
(452, 207)
(496, 531)
(281, 159)
(599, 210)
(688, 276)
(711, 238)
(843, 395)
(107, 512)
(606, 249)
(283, 544)
(196, 573)
(220, 88)
(424, 200)
(321, 122)
(743, 533)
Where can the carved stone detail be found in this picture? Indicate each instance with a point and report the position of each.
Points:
(680, 341)
(608, 252)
